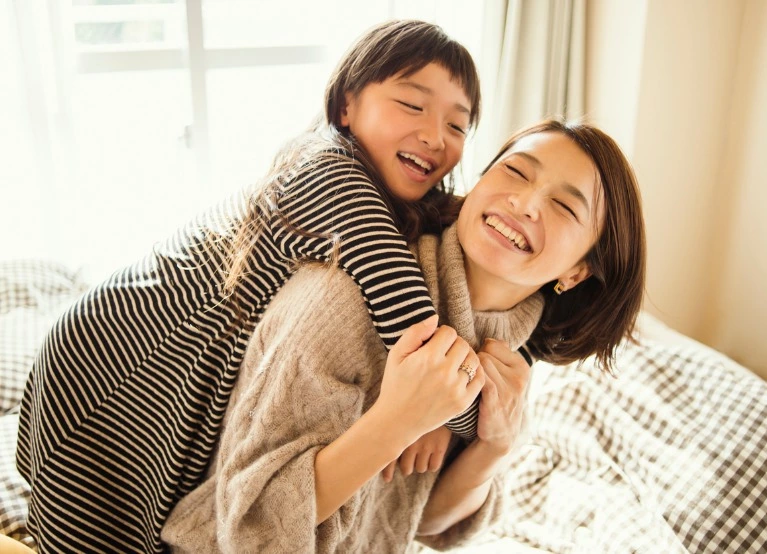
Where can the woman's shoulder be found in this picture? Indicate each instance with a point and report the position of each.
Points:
(321, 310)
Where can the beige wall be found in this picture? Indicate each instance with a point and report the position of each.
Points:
(737, 323)
(681, 86)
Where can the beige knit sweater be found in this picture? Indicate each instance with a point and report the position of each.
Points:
(312, 368)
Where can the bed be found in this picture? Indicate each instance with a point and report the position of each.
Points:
(670, 456)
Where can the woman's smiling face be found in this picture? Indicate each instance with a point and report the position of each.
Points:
(530, 219)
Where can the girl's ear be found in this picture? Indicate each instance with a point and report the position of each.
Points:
(579, 273)
(345, 119)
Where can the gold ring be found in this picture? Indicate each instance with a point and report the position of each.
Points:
(468, 370)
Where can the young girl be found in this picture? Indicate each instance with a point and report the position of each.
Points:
(126, 399)
(297, 461)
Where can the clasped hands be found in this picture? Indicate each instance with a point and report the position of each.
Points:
(422, 381)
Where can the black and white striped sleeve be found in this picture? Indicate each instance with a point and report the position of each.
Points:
(337, 206)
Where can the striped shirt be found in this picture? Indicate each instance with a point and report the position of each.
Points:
(124, 404)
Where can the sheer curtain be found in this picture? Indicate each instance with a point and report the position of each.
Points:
(124, 118)
(532, 66)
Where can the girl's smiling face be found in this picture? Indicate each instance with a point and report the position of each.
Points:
(413, 128)
(530, 219)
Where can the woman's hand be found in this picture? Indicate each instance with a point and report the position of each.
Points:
(425, 454)
(464, 485)
(422, 387)
(501, 408)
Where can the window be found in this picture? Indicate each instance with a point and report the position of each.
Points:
(145, 112)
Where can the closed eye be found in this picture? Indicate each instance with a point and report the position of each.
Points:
(567, 208)
(458, 128)
(410, 106)
(515, 170)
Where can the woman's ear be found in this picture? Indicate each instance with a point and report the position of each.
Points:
(572, 278)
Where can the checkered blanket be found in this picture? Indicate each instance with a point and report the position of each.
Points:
(669, 457)
(32, 294)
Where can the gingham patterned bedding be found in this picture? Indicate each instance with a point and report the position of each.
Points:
(669, 457)
(32, 294)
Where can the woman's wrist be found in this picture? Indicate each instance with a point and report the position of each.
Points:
(493, 449)
(486, 459)
(462, 488)
(395, 429)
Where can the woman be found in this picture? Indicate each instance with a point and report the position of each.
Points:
(551, 234)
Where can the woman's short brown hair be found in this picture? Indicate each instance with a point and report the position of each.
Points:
(593, 317)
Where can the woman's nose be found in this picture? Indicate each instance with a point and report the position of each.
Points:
(526, 203)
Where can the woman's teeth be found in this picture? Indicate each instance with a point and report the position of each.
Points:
(514, 237)
(421, 163)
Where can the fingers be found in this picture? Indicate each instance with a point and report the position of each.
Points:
(491, 369)
(422, 462)
(426, 454)
(464, 359)
(443, 341)
(407, 461)
(388, 472)
(435, 461)
(509, 368)
(490, 390)
(500, 350)
(475, 385)
(414, 337)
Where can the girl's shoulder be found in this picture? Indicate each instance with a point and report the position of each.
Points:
(315, 159)
(319, 151)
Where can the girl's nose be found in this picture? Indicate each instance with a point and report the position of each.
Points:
(432, 135)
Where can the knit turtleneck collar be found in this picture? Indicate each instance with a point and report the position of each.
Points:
(442, 263)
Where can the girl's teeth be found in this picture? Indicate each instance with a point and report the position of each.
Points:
(426, 166)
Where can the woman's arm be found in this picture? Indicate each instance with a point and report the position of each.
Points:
(298, 441)
(464, 486)
(421, 388)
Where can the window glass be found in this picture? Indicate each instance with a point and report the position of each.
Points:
(250, 117)
(104, 25)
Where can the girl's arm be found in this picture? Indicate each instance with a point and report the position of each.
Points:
(337, 202)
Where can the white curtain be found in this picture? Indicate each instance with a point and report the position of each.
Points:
(97, 160)
(30, 104)
(532, 66)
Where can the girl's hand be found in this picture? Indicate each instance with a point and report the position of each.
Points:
(501, 407)
(422, 387)
(425, 454)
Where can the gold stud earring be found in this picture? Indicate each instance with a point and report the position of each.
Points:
(559, 288)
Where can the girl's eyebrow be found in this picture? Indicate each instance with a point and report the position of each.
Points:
(426, 90)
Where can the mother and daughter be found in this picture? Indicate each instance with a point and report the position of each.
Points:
(228, 394)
